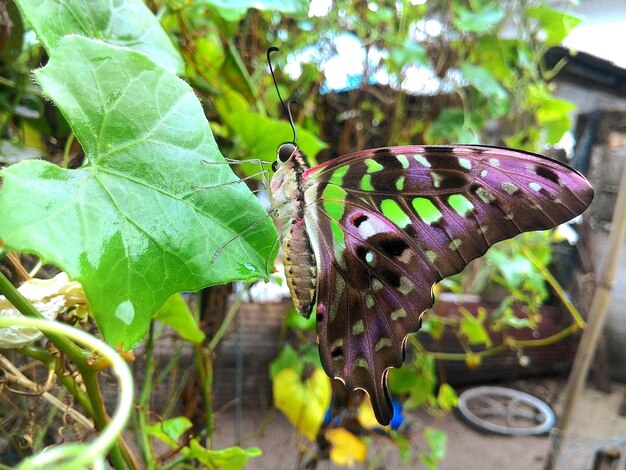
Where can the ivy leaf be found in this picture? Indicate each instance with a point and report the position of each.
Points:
(129, 225)
(126, 23)
(554, 23)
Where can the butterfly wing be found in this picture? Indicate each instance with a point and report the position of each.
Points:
(387, 224)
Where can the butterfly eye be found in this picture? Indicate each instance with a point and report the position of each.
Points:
(274, 166)
(285, 151)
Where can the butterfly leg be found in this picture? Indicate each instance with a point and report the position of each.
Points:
(248, 229)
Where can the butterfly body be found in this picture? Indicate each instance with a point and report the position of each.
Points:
(369, 234)
(287, 201)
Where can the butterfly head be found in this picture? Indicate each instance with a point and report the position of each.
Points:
(284, 154)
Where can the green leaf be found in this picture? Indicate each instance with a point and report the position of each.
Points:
(486, 84)
(449, 126)
(175, 313)
(261, 135)
(234, 10)
(518, 323)
(554, 23)
(297, 321)
(447, 397)
(125, 23)
(405, 448)
(410, 52)
(437, 441)
(433, 325)
(481, 20)
(553, 116)
(231, 458)
(129, 225)
(472, 327)
(514, 268)
(492, 53)
(417, 380)
(170, 430)
(287, 359)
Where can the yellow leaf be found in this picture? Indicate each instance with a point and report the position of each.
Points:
(366, 415)
(303, 403)
(347, 449)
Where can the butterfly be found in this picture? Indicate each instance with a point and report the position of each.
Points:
(367, 235)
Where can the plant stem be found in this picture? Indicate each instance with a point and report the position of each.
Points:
(66, 380)
(571, 308)
(81, 359)
(143, 410)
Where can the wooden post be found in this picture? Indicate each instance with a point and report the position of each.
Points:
(596, 318)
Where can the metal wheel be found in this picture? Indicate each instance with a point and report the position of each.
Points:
(505, 411)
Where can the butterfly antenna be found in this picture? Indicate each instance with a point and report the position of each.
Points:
(285, 107)
(293, 126)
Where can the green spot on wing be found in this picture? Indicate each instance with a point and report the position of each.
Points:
(465, 163)
(403, 161)
(337, 176)
(437, 179)
(455, 244)
(361, 362)
(460, 204)
(400, 183)
(394, 212)
(372, 165)
(382, 343)
(333, 201)
(338, 236)
(422, 160)
(485, 195)
(358, 328)
(426, 210)
(366, 183)
(400, 313)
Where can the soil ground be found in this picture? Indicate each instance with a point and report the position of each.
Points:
(596, 424)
